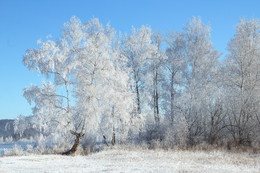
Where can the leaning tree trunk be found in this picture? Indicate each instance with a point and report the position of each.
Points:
(76, 143)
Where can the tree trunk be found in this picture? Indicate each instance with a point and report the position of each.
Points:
(156, 98)
(104, 137)
(76, 143)
(113, 139)
(137, 93)
(172, 97)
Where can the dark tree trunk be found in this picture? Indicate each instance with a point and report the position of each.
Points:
(105, 139)
(113, 139)
(138, 98)
(137, 93)
(76, 143)
(172, 97)
(156, 98)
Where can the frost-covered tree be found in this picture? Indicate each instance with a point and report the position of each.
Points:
(103, 94)
(86, 61)
(20, 125)
(138, 48)
(47, 110)
(155, 71)
(174, 78)
(171, 91)
(55, 60)
(201, 68)
(243, 82)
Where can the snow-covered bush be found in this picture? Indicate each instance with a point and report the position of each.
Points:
(17, 150)
(89, 144)
(9, 139)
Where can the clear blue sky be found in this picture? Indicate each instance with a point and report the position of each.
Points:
(23, 22)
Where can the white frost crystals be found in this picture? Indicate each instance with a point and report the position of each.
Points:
(140, 89)
(87, 84)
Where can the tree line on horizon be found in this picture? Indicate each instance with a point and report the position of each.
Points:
(144, 87)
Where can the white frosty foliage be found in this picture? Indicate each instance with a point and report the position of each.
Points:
(144, 88)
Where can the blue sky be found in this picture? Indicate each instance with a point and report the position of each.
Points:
(23, 22)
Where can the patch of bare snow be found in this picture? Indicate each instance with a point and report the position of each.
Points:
(134, 161)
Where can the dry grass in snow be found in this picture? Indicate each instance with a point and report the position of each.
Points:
(118, 160)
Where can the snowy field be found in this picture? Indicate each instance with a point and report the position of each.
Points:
(134, 161)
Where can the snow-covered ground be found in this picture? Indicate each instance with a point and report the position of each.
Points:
(118, 160)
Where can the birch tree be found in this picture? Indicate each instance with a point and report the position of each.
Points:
(242, 81)
(138, 48)
(174, 78)
(201, 65)
(103, 94)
